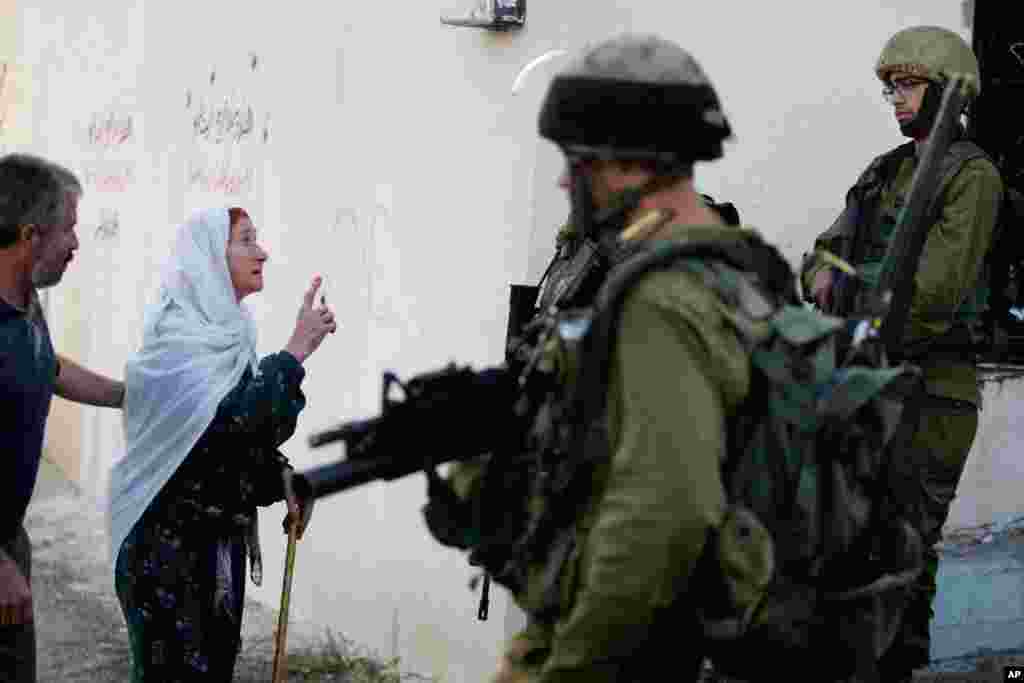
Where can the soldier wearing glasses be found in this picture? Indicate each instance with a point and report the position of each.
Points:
(949, 294)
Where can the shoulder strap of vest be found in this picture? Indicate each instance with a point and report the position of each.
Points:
(960, 152)
(891, 160)
(886, 166)
(882, 168)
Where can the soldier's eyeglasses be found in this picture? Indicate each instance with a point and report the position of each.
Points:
(904, 86)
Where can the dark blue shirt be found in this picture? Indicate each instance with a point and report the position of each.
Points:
(28, 368)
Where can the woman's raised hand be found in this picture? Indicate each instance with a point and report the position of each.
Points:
(313, 324)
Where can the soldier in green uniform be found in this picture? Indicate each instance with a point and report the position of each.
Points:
(632, 115)
(949, 294)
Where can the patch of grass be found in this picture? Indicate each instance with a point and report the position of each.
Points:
(346, 662)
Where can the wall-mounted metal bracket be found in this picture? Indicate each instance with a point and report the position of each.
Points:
(493, 15)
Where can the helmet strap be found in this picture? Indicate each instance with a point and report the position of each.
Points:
(613, 217)
(581, 196)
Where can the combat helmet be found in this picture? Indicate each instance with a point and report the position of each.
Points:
(635, 96)
(930, 52)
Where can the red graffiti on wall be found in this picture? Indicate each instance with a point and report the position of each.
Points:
(222, 178)
(107, 138)
(109, 175)
(110, 129)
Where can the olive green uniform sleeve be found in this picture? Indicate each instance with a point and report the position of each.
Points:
(667, 412)
(955, 248)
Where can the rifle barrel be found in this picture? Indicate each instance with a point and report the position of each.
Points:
(344, 432)
(455, 414)
(340, 476)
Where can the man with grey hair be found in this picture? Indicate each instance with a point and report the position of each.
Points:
(38, 215)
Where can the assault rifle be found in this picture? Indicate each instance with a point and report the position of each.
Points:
(457, 413)
(446, 415)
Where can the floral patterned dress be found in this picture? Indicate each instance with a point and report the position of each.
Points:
(180, 574)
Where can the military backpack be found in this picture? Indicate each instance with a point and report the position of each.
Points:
(813, 559)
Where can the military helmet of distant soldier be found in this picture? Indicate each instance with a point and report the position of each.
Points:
(931, 53)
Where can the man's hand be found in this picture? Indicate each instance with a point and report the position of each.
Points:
(15, 594)
(300, 503)
(821, 289)
(512, 666)
(508, 672)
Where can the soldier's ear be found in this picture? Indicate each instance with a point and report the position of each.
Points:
(28, 231)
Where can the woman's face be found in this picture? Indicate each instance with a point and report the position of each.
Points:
(245, 258)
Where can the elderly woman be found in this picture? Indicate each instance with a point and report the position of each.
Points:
(202, 425)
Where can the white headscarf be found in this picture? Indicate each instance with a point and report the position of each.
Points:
(198, 340)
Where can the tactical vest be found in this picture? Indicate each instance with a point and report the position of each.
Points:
(869, 230)
(558, 271)
(577, 271)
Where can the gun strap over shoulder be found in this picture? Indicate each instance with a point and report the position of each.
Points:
(958, 154)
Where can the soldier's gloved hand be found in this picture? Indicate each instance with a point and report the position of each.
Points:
(821, 289)
(508, 672)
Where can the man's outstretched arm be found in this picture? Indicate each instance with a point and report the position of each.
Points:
(81, 385)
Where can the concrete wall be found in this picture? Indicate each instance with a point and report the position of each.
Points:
(390, 154)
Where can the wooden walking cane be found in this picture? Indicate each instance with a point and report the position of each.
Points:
(280, 656)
